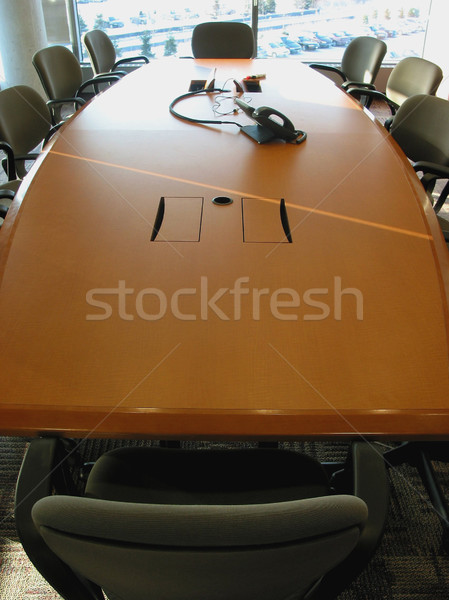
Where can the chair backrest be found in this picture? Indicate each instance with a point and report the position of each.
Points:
(101, 51)
(25, 119)
(198, 552)
(223, 40)
(59, 71)
(421, 128)
(412, 76)
(362, 59)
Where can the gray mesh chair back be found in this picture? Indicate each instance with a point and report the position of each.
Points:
(59, 71)
(223, 40)
(421, 128)
(177, 552)
(101, 51)
(25, 121)
(362, 59)
(413, 76)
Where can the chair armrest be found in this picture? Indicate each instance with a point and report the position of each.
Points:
(60, 102)
(431, 172)
(30, 156)
(124, 61)
(79, 101)
(3, 210)
(358, 84)
(388, 123)
(10, 161)
(364, 476)
(45, 469)
(357, 92)
(435, 169)
(119, 73)
(370, 483)
(319, 67)
(51, 133)
(7, 195)
(106, 78)
(18, 171)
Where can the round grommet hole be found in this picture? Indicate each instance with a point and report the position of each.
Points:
(222, 200)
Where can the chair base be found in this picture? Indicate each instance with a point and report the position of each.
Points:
(420, 455)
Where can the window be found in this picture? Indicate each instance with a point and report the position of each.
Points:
(311, 30)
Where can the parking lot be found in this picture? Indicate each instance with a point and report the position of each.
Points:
(309, 37)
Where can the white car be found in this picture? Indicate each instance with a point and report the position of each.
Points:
(275, 50)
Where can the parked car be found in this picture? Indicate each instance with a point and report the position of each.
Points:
(273, 50)
(390, 30)
(292, 46)
(324, 40)
(140, 19)
(340, 38)
(308, 43)
(379, 32)
(114, 23)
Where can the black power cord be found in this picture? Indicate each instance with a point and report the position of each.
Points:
(193, 120)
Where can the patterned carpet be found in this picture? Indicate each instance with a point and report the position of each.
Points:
(410, 564)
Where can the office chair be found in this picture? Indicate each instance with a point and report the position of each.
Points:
(421, 128)
(62, 79)
(223, 39)
(25, 123)
(360, 62)
(9, 188)
(102, 54)
(199, 524)
(409, 77)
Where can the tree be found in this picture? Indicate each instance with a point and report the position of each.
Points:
(387, 14)
(267, 7)
(216, 8)
(170, 47)
(82, 24)
(306, 4)
(100, 23)
(146, 44)
(118, 50)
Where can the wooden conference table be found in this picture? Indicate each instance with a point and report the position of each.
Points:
(221, 328)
